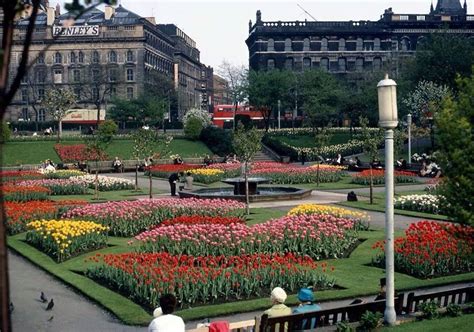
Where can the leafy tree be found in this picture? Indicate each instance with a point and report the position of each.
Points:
(218, 140)
(58, 102)
(147, 109)
(247, 142)
(5, 132)
(370, 141)
(455, 135)
(441, 57)
(201, 115)
(193, 128)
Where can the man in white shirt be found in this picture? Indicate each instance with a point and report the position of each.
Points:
(167, 322)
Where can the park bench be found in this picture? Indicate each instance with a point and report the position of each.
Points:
(107, 166)
(242, 326)
(444, 298)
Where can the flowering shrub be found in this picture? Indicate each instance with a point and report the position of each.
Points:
(361, 219)
(420, 203)
(318, 236)
(145, 277)
(128, 218)
(193, 220)
(71, 186)
(106, 183)
(163, 171)
(280, 173)
(63, 239)
(14, 193)
(64, 174)
(12, 176)
(431, 249)
(207, 175)
(78, 152)
(378, 177)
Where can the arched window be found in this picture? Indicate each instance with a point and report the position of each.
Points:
(306, 45)
(58, 58)
(377, 64)
(95, 57)
(306, 63)
(81, 57)
(289, 63)
(129, 56)
(73, 57)
(342, 44)
(112, 56)
(341, 64)
(288, 47)
(324, 45)
(377, 44)
(271, 45)
(405, 44)
(270, 64)
(324, 64)
(40, 58)
(359, 64)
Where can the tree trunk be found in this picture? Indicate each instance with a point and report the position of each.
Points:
(4, 284)
(136, 177)
(247, 204)
(151, 184)
(371, 186)
(317, 174)
(60, 129)
(96, 182)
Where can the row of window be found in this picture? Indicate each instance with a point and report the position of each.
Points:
(158, 62)
(159, 44)
(39, 117)
(77, 75)
(79, 57)
(341, 65)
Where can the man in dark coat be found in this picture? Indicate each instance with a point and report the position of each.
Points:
(173, 178)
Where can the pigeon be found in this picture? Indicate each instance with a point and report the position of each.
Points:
(11, 307)
(50, 318)
(50, 305)
(43, 298)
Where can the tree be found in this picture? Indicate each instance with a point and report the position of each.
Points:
(148, 143)
(97, 144)
(247, 142)
(237, 79)
(58, 102)
(147, 109)
(441, 57)
(425, 102)
(265, 88)
(9, 84)
(455, 136)
(321, 140)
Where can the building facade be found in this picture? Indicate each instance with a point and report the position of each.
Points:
(100, 55)
(351, 46)
(221, 91)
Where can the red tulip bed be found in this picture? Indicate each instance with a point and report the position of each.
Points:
(59, 186)
(12, 176)
(78, 152)
(13, 193)
(163, 171)
(432, 249)
(378, 177)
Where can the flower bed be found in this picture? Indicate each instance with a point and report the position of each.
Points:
(19, 214)
(280, 173)
(163, 171)
(194, 220)
(230, 170)
(318, 236)
(421, 203)
(145, 277)
(128, 218)
(14, 193)
(63, 174)
(75, 153)
(59, 186)
(431, 249)
(62, 239)
(361, 219)
(12, 176)
(378, 177)
(106, 183)
(207, 175)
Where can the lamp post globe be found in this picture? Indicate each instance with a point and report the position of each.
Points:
(388, 119)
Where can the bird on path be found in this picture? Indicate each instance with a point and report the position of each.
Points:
(50, 305)
(11, 307)
(43, 298)
(50, 318)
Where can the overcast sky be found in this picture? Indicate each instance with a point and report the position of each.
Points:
(221, 27)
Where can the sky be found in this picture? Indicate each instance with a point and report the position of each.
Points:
(220, 28)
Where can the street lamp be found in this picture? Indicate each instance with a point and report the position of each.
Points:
(409, 138)
(279, 106)
(388, 119)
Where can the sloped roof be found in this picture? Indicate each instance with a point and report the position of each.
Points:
(449, 7)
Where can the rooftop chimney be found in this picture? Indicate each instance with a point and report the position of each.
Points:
(58, 10)
(151, 20)
(109, 12)
(50, 16)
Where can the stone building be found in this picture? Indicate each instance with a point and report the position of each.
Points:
(351, 46)
(221, 91)
(100, 55)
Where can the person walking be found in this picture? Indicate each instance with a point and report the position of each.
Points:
(172, 179)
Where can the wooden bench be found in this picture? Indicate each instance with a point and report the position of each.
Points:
(242, 326)
(327, 317)
(445, 298)
(107, 166)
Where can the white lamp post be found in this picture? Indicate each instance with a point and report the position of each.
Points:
(279, 106)
(409, 138)
(388, 119)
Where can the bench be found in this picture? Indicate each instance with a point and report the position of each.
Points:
(444, 298)
(327, 317)
(242, 326)
(107, 166)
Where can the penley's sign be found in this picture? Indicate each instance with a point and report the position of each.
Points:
(76, 30)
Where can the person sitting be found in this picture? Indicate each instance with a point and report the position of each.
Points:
(358, 163)
(207, 160)
(338, 160)
(376, 164)
(49, 166)
(178, 160)
(306, 297)
(433, 170)
(424, 169)
(117, 164)
(188, 181)
(383, 290)
(167, 321)
(278, 297)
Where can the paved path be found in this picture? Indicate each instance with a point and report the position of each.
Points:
(72, 312)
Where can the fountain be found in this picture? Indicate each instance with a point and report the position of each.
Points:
(256, 194)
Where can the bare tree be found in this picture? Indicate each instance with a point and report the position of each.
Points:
(236, 77)
(58, 102)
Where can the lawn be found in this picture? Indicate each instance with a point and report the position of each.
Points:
(17, 153)
(464, 323)
(354, 277)
(307, 141)
(117, 195)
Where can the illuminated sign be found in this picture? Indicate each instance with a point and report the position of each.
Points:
(76, 30)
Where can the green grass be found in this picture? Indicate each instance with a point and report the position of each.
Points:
(464, 323)
(308, 141)
(353, 274)
(16, 153)
(379, 206)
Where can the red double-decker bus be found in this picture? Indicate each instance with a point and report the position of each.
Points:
(223, 115)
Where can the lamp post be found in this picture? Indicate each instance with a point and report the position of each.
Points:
(409, 138)
(387, 96)
(279, 106)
